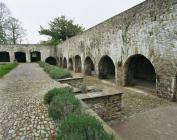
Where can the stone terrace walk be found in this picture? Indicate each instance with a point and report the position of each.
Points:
(22, 114)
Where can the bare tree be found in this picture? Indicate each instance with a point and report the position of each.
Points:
(15, 33)
(4, 15)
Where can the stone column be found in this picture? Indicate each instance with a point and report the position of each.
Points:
(28, 54)
(174, 88)
(12, 56)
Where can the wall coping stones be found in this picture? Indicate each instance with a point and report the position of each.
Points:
(104, 93)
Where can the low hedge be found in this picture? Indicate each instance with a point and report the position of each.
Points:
(74, 124)
(62, 105)
(54, 71)
(56, 91)
(82, 127)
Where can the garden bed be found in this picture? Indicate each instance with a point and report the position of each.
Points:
(54, 71)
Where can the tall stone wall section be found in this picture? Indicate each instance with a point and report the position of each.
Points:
(148, 29)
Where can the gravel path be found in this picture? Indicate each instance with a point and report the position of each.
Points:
(23, 115)
(156, 124)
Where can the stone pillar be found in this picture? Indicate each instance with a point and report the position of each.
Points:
(166, 87)
(174, 88)
(12, 56)
(28, 56)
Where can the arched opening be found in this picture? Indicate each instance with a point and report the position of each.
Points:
(51, 60)
(20, 57)
(78, 65)
(35, 56)
(70, 64)
(106, 68)
(64, 63)
(4, 57)
(139, 71)
(89, 67)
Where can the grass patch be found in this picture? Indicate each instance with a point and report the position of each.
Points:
(54, 71)
(5, 68)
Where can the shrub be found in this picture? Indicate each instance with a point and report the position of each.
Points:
(55, 91)
(62, 105)
(59, 73)
(81, 127)
(83, 88)
(55, 72)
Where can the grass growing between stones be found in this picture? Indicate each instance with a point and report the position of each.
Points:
(54, 71)
(6, 68)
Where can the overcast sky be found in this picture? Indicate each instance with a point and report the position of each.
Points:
(33, 13)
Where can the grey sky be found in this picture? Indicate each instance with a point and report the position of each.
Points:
(88, 13)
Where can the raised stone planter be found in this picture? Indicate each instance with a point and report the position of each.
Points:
(90, 89)
(106, 104)
(75, 82)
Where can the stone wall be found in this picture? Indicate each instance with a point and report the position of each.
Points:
(74, 82)
(46, 51)
(148, 29)
(107, 106)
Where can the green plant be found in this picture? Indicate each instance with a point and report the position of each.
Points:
(62, 105)
(59, 73)
(83, 88)
(5, 68)
(82, 127)
(55, 91)
(54, 71)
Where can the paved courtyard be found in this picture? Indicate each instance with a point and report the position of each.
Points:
(23, 115)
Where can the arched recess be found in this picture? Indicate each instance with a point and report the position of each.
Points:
(70, 64)
(35, 56)
(64, 63)
(89, 67)
(138, 70)
(78, 64)
(4, 56)
(20, 57)
(106, 68)
(51, 60)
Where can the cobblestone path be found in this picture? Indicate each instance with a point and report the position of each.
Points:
(22, 113)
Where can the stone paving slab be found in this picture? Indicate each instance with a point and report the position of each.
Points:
(23, 116)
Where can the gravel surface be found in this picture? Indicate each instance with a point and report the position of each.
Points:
(23, 115)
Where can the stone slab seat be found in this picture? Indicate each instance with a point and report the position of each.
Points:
(69, 79)
(97, 95)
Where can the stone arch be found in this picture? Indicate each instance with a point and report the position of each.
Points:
(89, 67)
(64, 63)
(78, 64)
(51, 60)
(70, 64)
(106, 68)
(20, 57)
(35, 56)
(4, 56)
(138, 70)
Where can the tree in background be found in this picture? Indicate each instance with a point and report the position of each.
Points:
(11, 31)
(15, 31)
(4, 14)
(59, 30)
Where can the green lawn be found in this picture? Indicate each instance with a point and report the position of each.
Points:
(5, 68)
